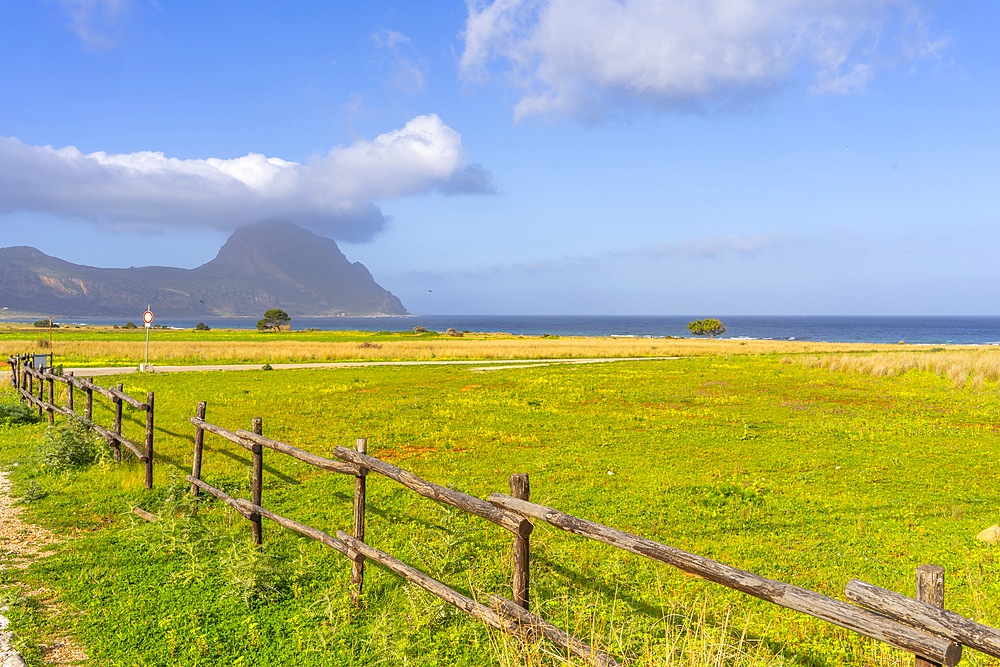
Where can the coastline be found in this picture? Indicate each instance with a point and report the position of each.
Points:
(918, 330)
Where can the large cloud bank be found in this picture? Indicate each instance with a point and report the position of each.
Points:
(589, 57)
(336, 193)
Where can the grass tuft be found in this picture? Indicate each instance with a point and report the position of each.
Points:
(71, 445)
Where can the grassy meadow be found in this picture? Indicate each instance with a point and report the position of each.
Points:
(104, 346)
(797, 462)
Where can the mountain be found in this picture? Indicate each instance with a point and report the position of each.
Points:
(271, 265)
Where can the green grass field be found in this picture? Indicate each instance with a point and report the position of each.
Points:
(797, 473)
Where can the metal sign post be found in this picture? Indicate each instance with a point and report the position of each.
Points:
(147, 319)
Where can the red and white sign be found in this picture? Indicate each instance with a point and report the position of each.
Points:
(147, 317)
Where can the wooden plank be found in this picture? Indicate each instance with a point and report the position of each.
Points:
(536, 625)
(926, 617)
(85, 383)
(360, 491)
(930, 590)
(799, 599)
(218, 430)
(300, 528)
(520, 488)
(468, 605)
(120, 394)
(199, 444)
(463, 501)
(221, 495)
(257, 482)
(113, 437)
(64, 411)
(52, 401)
(414, 576)
(148, 516)
(118, 422)
(300, 454)
(149, 440)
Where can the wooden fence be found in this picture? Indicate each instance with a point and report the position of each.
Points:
(919, 626)
(24, 378)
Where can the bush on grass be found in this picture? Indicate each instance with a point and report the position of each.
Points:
(72, 446)
(17, 414)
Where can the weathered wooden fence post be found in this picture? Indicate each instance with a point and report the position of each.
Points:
(41, 394)
(199, 442)
(930, 590)
(69, 391)
(90, 402)
(118, 423)
(258, 481)
(149, 440)
(358, 564)
(520, 489)
(52, 398)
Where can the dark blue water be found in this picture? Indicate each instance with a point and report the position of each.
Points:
(925, 330)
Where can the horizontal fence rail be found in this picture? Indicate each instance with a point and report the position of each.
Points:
(463, 501)
(24, 375)
(520, 623)
(926, 617)
(814, 604)
(933, 635)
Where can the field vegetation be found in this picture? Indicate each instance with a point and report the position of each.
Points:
(977, 366)
(97, 346)
(811, 473)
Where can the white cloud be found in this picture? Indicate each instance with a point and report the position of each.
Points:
(586, 57)
(405, 75)
(389, 39)
(336, 192)
(99, 24)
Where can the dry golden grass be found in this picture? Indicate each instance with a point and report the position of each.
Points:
(974, 366)
(103, 352)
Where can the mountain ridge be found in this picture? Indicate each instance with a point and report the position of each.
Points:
(268, 265)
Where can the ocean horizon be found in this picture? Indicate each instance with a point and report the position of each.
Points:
(927, 330)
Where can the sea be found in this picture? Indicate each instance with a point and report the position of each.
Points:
(924, 330)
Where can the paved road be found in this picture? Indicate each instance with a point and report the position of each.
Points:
(476, 365)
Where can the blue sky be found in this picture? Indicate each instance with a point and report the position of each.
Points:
(525, 156)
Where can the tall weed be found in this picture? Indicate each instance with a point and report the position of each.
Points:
(71, 446)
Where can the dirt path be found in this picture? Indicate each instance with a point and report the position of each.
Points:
(21, 543)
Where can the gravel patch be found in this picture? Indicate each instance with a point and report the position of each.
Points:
(20, 543)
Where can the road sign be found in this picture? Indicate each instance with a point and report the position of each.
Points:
(147, 318)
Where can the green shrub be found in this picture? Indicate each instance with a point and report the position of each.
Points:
(72, 445)
(17, 414)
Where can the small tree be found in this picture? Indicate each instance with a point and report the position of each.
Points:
(273, 320)
(201, 326)
(710, 327)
